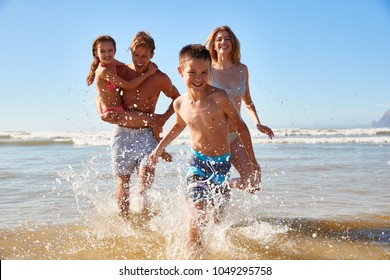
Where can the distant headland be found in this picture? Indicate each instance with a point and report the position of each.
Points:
(384, 121)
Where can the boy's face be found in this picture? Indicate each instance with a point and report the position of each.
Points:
(195, 73)
(141, 57)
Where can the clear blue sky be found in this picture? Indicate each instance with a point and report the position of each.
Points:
(312, 63)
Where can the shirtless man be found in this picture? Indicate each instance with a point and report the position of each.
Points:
(131, 145)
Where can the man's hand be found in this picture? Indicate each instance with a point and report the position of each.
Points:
(166, 156)
(159, 120)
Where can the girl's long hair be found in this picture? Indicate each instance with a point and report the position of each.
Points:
(96, 60)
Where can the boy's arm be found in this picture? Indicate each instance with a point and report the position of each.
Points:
(171, 135)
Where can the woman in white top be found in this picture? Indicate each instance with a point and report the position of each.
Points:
(228, 73)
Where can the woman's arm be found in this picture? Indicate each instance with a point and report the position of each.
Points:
(250, 107)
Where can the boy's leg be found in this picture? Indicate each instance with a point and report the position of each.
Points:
(221, 201)
(197, 222)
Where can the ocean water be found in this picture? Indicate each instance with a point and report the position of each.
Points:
(325, 196)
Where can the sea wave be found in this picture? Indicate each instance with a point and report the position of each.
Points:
(324, 140)
(333, 132)
(282, 136)
(51, 138)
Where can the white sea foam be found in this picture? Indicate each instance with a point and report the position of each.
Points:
(76, 138)
(282, 136)
(325, 140)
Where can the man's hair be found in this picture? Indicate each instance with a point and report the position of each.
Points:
(142, 39)
(193, 51)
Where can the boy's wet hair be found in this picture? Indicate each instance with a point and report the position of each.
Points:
(193, 51)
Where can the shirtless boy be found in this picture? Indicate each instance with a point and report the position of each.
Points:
(206, 111)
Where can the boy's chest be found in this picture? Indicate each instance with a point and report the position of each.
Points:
(198, 114)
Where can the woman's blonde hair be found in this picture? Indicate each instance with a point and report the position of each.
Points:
(235, 55)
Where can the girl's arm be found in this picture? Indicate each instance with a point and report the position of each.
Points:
(118, 63)
(109, 75)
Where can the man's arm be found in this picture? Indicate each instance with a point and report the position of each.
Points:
(126, 118)
(171, 92)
